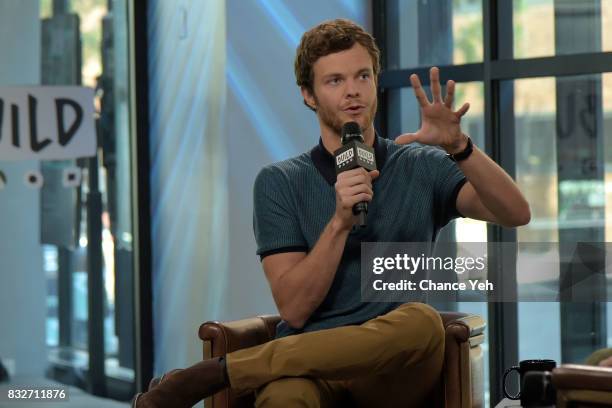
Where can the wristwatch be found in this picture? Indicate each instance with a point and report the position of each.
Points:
(464, 154)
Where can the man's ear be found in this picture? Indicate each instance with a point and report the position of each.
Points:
(309, 99)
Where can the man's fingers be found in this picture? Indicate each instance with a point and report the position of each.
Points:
(355, 180)
(406, 138)
(360, 188)
(357, 176)
(450, 94)
(352, 172)
(351, 201)
(418, 90)
(350, 197)
(462, 111)
(434, 80)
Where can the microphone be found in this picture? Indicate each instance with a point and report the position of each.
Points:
(355, 153)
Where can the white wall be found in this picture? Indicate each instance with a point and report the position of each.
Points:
(188, 175)
(22, 281)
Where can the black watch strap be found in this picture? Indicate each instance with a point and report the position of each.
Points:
(464, 154)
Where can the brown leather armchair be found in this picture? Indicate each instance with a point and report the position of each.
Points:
(460, 386)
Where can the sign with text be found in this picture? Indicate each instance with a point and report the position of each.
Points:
(46, 123)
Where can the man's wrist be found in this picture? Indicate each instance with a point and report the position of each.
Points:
(459, 146)
(464, 154)
(338, 226)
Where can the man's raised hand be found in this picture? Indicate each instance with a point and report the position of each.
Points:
(440, 125)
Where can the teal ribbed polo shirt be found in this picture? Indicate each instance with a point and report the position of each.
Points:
(414, 196)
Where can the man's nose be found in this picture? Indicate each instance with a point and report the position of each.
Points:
(351, 89)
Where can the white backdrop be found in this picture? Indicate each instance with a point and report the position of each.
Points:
(223, 104)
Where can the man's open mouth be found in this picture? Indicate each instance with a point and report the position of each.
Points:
(355, 109)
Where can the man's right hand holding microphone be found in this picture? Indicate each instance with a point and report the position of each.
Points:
(352, 186)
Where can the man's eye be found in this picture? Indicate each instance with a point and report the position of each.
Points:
(334, 81)
(365, 76)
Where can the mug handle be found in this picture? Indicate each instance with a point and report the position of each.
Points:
(508, 371)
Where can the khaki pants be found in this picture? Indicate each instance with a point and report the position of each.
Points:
(393, 360)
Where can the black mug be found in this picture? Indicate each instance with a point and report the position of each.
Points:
(524, 367)
(537, 390)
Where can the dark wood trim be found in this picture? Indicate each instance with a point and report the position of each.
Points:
(143, 292)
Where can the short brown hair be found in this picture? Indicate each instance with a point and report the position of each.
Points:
(327, 38)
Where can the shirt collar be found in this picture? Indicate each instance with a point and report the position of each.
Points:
(324, 160)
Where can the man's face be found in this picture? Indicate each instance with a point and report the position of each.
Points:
(344, 89)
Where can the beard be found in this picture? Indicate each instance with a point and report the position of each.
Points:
(332, 119)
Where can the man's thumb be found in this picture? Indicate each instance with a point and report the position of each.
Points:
(406, 138)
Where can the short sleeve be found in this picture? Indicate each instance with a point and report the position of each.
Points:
(448, 180)
(275, 219)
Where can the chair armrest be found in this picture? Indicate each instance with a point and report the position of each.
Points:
(582, 377)
(225, 337)
(463, 372)
(464, 327)
(220, 338)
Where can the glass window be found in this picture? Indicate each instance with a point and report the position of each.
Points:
(404, 116)
(546, 27)
(467, 229)
(433, 32)
(561, 128)
(609, 313)
(563, 159)
(607, 129)
(70, 270)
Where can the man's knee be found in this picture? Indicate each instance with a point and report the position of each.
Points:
(423, 325)
(432, 320)
(289, 392)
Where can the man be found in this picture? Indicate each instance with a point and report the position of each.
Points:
(331, 348)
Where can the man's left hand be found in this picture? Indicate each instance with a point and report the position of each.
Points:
(440, 125)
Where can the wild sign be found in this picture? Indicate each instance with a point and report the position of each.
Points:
(46, 123)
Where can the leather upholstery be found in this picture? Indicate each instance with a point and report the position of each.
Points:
(222, 338)
(582, 386)
(461, 385)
